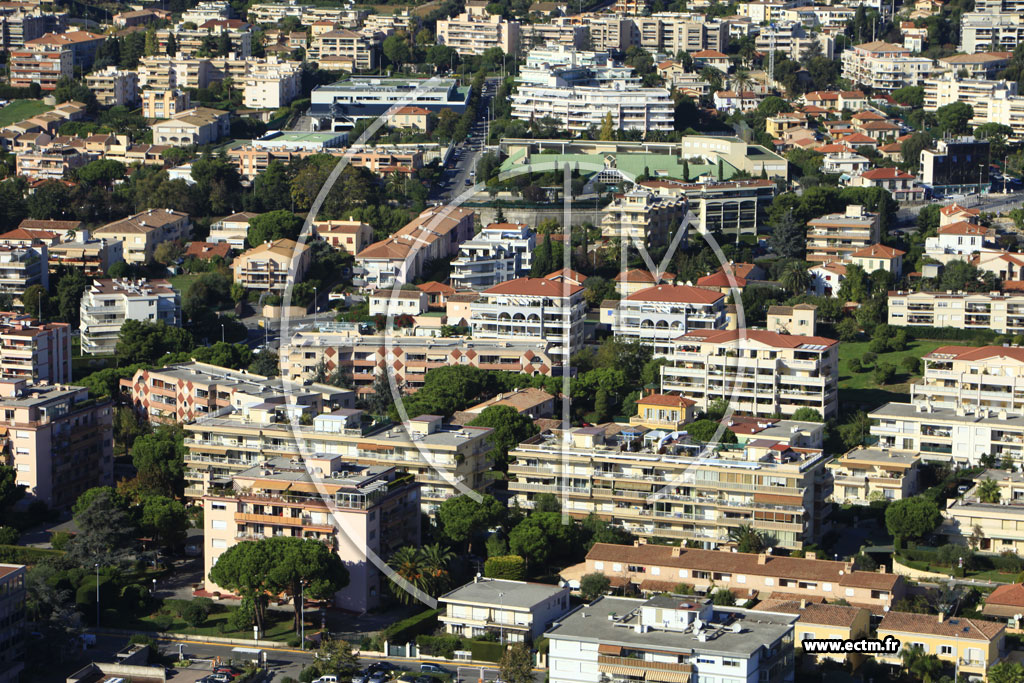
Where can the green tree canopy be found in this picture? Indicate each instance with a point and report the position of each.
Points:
(509, 429)
(912, 518)
(462, 518)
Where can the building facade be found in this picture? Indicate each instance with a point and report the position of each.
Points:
(107, 304)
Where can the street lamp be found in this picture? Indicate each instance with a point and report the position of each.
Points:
(97, 595)
(302, 615)
(501, 620)
(314, 308)
(222, 333)
(154, 588)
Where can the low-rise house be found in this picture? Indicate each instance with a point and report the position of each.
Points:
(633, 280)
(661, 314)
(349, 236)
(970, 645)
(389, 302)
(266, 266)
(199, 126)
(901, 185)
(663, 411)
(819, 621)
(515, 611)
(879, 257)
(530, 401)
(864, 475)
(1005, 602)
(799, 319)
(653, 567)
(232, 229)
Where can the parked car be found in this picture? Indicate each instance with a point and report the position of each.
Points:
(228, 671)
(433, 669)
(327, 679)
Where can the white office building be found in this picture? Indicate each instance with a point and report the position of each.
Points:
(107, 304)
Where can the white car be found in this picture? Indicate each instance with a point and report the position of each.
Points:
(327, 679)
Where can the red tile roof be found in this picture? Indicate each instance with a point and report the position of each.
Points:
(535, 286)
(782, 341)
(669, 400)
(963, 228)
(886, 174)
(877, 251)
(1010, 594)
(676, 294)
(930, 624)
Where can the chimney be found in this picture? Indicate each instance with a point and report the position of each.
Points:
(642, 541)
(942, 617)
(803, 603)
(677, 551)
(762, 558)
(636, 544)
(811, 555)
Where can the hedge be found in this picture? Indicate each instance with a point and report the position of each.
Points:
(19, 554)
(407, 629)
(484, 650)
(439, 646)
(950, 333)
(512, 567)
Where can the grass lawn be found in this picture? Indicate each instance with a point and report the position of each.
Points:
(859, 391)
(183, 282)
(279, 625)
(19, 110)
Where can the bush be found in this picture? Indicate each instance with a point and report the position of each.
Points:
(439, 646)
(195, 613)
(9, 535)
(1008, 562)
(511, 567)
(163, 622)
(854, 365)
(594, 585)
(911, 365)
(883, 374)
(868, 358)
(60, 539)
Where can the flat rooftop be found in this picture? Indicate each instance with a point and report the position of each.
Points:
(514, 593)
(947, 415)
(591, 623)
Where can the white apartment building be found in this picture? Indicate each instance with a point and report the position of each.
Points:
(644, 217)
(579, 108)
(272, 86)
(107, 304)
(793, 40)
(959, 239)
(836, 236)
(990, 31)
(660, 314)
(533, 308)
(758, 372)
(884, 66)
(22, 266)
(476, 30)
(114, 87)
(670, 639)
(948, 87)
(498, 253)
(670, 32)
(960, 435)
(207, 10)
(1002, 313)
(515, 611)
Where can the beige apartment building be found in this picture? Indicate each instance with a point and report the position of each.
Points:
(985, 377)
(364, 358)
(1002, 313)
(188, 391)
(837, 236)
(267, 265)
(884, 66)
(354, 48)
(971, 646)
(655, 568)
(758, 372)
(476, 30)
(354, 509)
(107, 304)
(445, 460)
(532, 308)
(39, 353)
(57, 439)
(644, 217)
(661, 314)
(272, 86)
(140, 234)
(114, 87)
(349, 236)
(658, 484)
(163, 103)
(864, 475)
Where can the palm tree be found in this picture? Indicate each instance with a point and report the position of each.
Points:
(409, 563)
(436, 559)
(741, 80)
(795, 279)
(988, 491)
(923, 666)
(396, 184)
(747, 49)
(746, 538)
(712, 76)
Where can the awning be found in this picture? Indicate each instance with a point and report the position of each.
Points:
(668, 676)
(633, 671)
(608, 649)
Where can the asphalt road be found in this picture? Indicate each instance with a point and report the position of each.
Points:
(467, 153)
